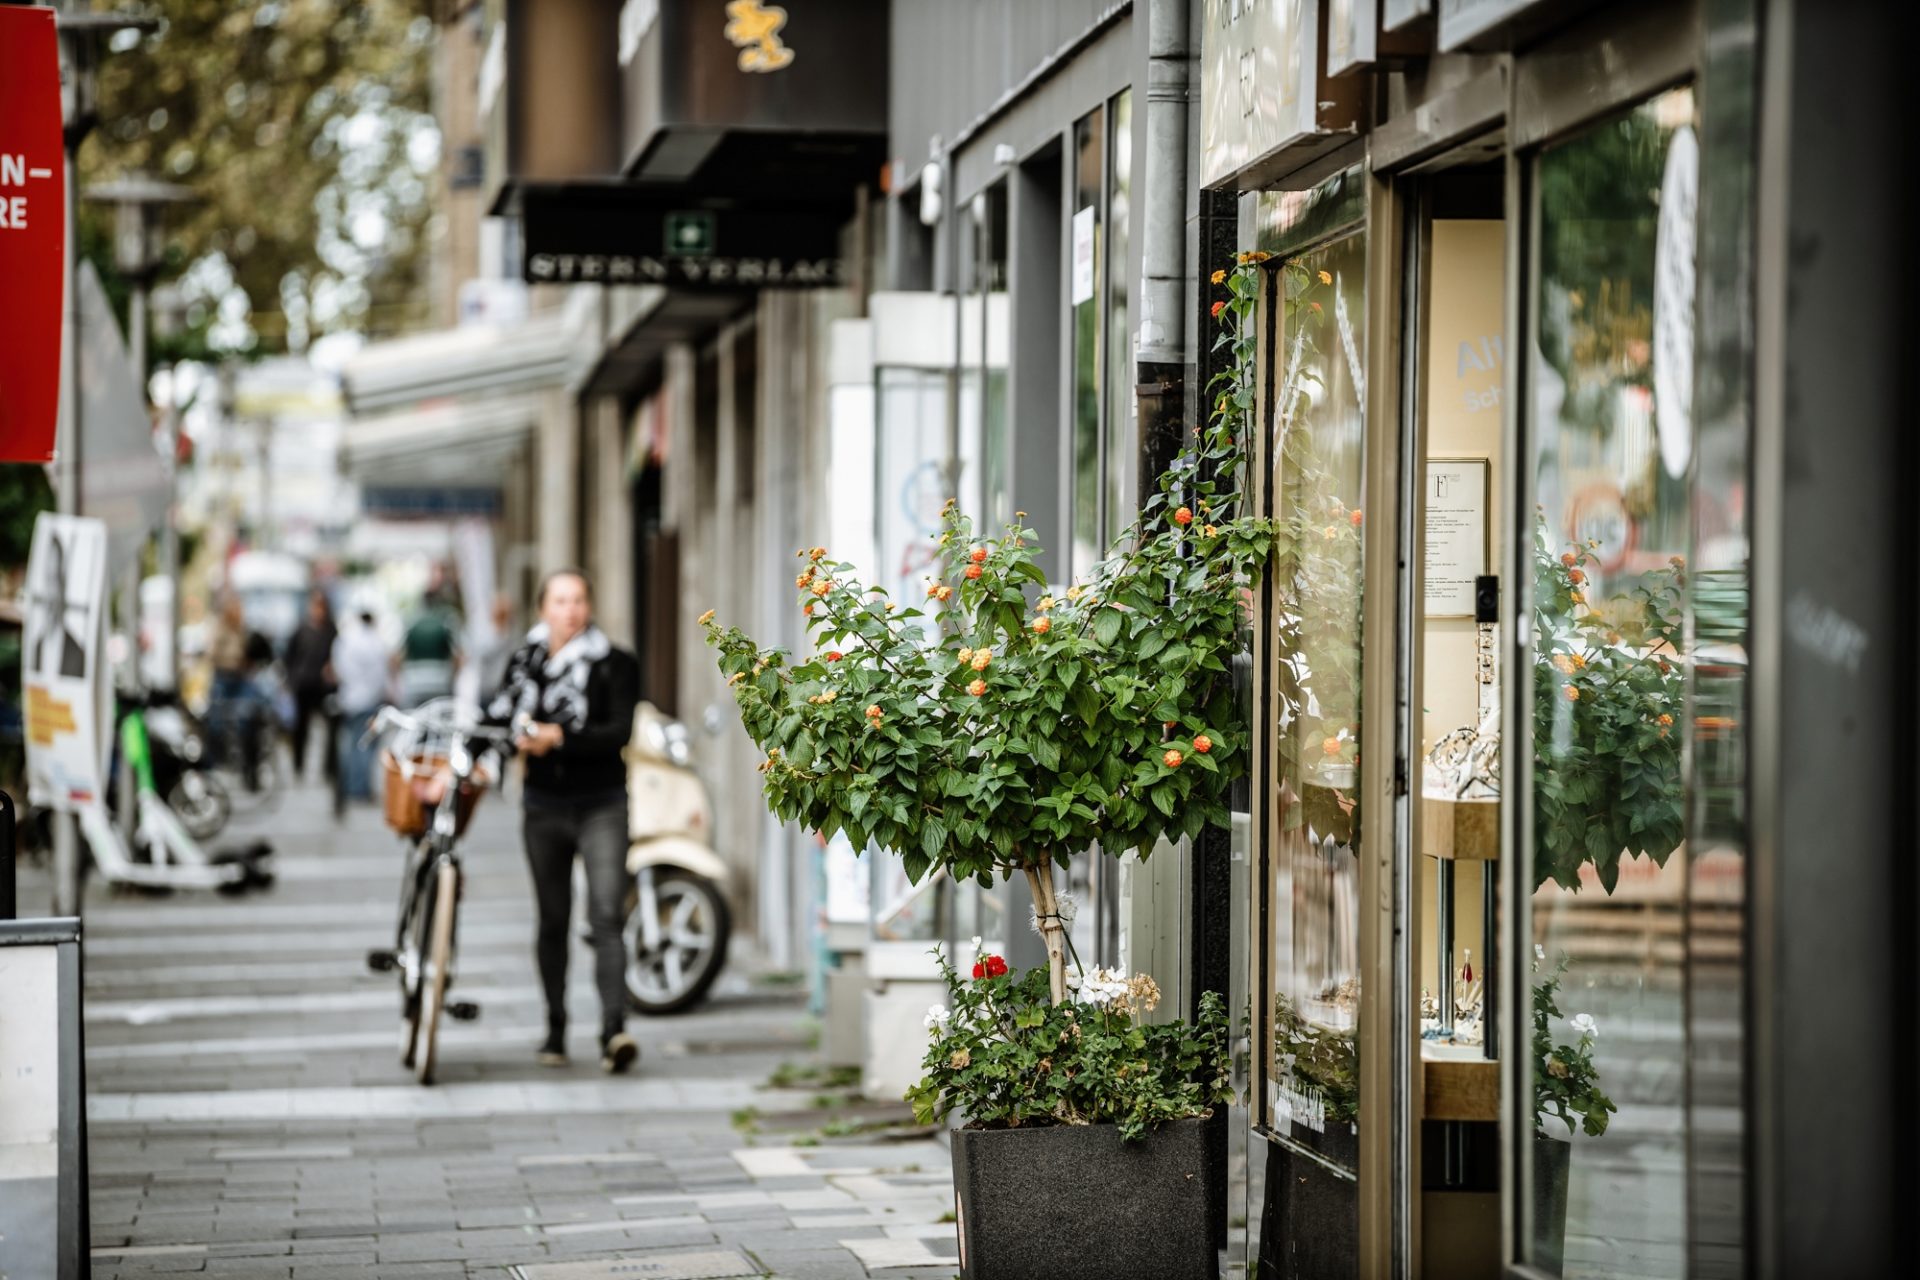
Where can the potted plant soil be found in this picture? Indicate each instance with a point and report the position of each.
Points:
(999, 727)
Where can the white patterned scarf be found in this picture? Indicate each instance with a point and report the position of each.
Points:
(550, 687)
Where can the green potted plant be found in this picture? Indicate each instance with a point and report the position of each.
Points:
(998, 728)
(1566, 1087)
(1608, 689)
(1084, 1107)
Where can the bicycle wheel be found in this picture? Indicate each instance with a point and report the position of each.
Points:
(437, 966)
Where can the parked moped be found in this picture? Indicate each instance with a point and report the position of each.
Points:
(677, 919)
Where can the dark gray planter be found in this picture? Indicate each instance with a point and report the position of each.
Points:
(1552, 1163)
(1310, 1221)
(1073, 1202)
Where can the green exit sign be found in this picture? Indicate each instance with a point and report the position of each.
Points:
(689, 235)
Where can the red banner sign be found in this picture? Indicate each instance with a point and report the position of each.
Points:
(33, 230)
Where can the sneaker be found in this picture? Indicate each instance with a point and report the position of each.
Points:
(618, 1052)
(554, 1052)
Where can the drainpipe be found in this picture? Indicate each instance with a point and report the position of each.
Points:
(1162, 353)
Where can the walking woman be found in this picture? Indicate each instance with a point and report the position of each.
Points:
(569, 696)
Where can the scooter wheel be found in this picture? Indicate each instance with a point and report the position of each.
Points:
(201, 802)
(694, 927)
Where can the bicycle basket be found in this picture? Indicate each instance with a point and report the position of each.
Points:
(408, 811)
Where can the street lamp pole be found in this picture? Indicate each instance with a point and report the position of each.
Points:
(169, 309)
(139, 249)
(81, 32)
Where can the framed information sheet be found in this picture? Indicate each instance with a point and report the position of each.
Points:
(1456, 534)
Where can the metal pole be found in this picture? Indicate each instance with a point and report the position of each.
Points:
(130, 586)
(169, 566)
(66, 831)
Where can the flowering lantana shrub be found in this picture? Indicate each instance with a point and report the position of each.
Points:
(1005, 1055)
(1011, 725)
(1609, 683)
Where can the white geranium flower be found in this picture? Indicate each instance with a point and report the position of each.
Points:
(1585, 1025)
(937, 1019)
(1100, 987)
(1539, 952)
(976, 942)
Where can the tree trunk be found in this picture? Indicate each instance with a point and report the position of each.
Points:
(1053, 930)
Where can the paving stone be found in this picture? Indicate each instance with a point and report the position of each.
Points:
(259, 1124)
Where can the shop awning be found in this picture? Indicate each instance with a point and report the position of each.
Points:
(470, 441)
(473, 360)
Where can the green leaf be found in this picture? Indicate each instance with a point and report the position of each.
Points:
(1106, 627)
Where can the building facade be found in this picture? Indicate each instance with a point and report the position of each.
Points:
(1517, 932)
(1574, 390)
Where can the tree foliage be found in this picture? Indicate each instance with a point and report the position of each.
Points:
(303, 127)
(1016, 729)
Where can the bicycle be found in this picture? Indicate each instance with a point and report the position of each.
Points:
(429, 740)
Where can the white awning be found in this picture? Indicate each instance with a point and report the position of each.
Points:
(454, 442)
(545, 350)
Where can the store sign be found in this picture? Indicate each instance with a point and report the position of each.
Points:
(620, 234)
(33, 229)
(1266, 104)
(754, 29)
(61, 666)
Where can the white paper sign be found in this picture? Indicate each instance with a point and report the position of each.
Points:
(69, 709)
(1083, 256)
(1673, 275)
(1456, 543)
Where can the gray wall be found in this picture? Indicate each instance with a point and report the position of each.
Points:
(953, 61)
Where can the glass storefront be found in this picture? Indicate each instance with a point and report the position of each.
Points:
(1608, 451)
(1314, 444)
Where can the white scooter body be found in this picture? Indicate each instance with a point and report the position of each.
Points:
(676, 935)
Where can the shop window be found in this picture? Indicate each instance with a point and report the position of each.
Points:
(1084, 263)
(1606, 444)
(1313, 453)
(1120, 413)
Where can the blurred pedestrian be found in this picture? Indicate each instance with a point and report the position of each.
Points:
(429, 653)
(363, 678)
(309, 666)
(237, 711)
(570, 695)
(492, 653)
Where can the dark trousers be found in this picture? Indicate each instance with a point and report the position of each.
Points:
(308, 705)
(598, 837)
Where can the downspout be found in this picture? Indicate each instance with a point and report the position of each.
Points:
(1162, 352)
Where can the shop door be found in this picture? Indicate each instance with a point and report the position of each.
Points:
(1455, 347)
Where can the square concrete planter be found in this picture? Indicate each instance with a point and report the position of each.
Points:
(1074, 1202)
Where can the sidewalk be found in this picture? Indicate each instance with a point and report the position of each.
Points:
(249, 1117)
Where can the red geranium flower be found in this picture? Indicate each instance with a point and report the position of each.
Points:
(990, 967)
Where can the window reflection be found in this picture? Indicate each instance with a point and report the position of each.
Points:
(1315, 449)
(1608, 438)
